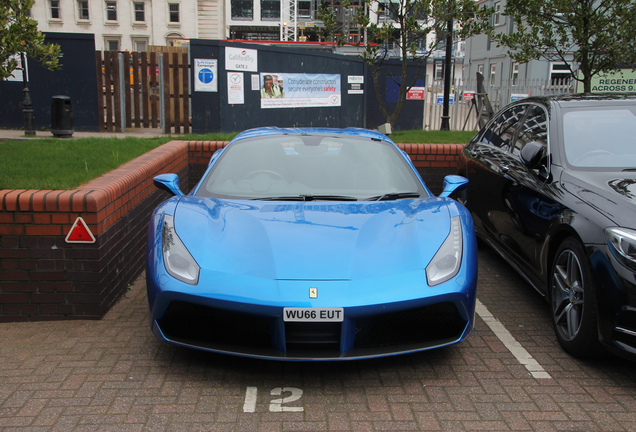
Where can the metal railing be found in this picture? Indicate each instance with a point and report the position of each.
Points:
(463, 113)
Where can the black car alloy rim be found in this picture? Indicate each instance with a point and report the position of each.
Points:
(567, 295)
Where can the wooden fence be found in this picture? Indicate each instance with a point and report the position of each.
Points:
(136, 77)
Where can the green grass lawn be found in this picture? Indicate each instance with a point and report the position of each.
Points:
(67, 163)
(436, 137)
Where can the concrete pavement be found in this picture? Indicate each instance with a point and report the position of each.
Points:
(113, 375)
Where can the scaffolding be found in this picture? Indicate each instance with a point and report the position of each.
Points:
(289, 20)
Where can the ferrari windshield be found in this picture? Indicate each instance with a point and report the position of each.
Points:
(311, 167)
(601, 138)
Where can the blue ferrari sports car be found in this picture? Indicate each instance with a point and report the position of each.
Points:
(311, 244)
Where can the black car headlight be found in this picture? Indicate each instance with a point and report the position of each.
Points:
(178, 261)
(622, 242)
(448, 259)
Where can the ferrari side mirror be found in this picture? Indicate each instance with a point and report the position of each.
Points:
(453, 183)
(169, 183)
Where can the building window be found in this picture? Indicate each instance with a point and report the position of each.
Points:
(480, 69)
(55, 9)
(242, 9)
(112, 44)
(514, 74)
(559, 74)
(270, 9)
(304, 8)
(173, 9)
(174, 39)
(140, 12)
(439, 70)
(387, 10)
(111, 11)
(140, 45)
(82, 9)
(493, 73)
(497, 15)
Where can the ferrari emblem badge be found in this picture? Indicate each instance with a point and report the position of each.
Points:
(313, 292)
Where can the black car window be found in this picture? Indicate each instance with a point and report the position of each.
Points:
(501, 132)
(601, 137)
(534, 128)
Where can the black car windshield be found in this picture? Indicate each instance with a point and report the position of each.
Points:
(302, 167)
(601, 138)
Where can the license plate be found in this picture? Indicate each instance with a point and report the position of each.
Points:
(297, 314)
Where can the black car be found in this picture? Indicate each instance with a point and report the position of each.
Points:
(553, 190)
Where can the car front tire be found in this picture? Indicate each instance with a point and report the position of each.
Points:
(573, 301)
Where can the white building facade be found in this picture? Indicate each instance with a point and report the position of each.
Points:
(493, 62)
(132, 25)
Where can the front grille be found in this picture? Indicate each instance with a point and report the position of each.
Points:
(322, 336)
(206, 326)
(439, 322)
(234, 331)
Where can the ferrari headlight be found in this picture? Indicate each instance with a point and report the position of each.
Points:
(178, 261)
(448, 259)
(622, 242)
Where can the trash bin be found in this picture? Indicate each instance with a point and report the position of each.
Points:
(62, 117)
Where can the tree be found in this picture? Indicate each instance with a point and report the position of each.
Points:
(406, 31)
(19, 33)
(600, 35)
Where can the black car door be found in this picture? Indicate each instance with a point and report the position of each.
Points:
(488, 163)
(529, 197)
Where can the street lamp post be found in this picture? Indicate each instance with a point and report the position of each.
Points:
(447, 75)
(27, 106)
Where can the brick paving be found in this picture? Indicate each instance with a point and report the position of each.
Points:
(112, 375)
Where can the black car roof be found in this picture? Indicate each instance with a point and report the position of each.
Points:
(580, 98)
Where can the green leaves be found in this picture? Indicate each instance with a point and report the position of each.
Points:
(19, 33)
(406, 27)
(600, 36)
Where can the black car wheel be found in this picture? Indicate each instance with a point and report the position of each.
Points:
(573, 301)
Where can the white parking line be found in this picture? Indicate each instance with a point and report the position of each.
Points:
(250, 400)
(520, 353)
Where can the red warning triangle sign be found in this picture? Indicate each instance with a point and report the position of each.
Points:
(80, 233)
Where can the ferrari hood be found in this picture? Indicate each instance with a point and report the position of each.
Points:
(312, 240)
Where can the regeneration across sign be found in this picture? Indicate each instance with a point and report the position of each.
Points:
(293, 90)
(623, 80)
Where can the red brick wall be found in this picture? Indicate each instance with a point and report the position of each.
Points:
(434, 161)
(44, 278)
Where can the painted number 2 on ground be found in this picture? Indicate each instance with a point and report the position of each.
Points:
(275, 405)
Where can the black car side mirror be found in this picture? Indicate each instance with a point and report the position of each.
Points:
(532, 153)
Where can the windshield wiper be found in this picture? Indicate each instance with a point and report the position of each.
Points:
(309, 198)
(394, 196)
